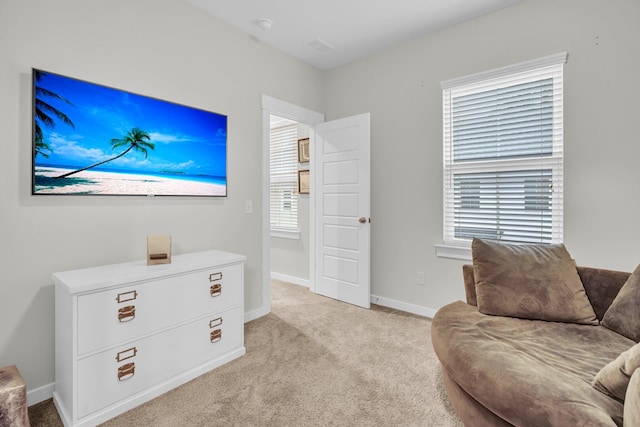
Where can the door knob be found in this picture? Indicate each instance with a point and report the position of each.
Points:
(362, 220)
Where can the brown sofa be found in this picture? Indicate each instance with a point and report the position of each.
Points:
(508, 371)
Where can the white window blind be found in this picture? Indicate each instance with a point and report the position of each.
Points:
(503, 139)
(284, 178)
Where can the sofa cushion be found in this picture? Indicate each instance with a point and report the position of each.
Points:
(602, 286)
(529, 281)
(614, 378)
(632, 402)
(623, 315)
(529, 372)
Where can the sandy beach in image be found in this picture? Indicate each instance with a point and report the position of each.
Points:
(112, 183)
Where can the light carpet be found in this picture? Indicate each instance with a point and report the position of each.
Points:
(312, 361)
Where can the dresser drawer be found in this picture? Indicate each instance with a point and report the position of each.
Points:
(116, 374)
(117, 315)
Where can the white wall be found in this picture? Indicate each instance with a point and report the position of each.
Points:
(162, 48)
(169, 50)
(401, 89)
(290, 257)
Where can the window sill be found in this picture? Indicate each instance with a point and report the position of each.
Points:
(286, 234)
(453, 252)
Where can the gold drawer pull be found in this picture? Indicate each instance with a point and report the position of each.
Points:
(126, 371)
(127, 296)
(126, 314)
(126, 354)
(216, 290)
(215, 276)
(215, 322)
(216, 335)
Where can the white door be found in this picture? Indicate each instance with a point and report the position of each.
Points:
(341, 191)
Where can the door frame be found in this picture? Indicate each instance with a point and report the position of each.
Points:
(301, 115)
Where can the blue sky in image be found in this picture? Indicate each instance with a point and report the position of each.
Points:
(186, 140)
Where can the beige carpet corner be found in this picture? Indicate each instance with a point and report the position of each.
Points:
(313, 361)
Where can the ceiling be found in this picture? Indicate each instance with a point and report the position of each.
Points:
(330, 33)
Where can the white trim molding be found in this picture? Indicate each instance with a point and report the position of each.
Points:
(546, 61)
(454, 252)
(290, 279)
(298, 114)
(40, 394)
(404, 306)
(255, 314)
(285, 234)
(291, 111)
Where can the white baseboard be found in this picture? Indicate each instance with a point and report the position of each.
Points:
(40, 394)
(254, 314)
(404, 306)
(263, 311)
(291, 279)
(385, 302)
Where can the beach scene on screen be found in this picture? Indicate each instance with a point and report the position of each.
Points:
(96, 140)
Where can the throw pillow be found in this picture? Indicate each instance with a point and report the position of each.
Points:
(529, 281)
(623, 315)
(613, 379)
(632, 402)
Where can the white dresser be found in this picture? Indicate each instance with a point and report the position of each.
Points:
(126, 333)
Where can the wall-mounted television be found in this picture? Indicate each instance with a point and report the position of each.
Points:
(90, 139)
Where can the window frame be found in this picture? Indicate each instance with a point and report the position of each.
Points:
(287, 178)
(550, 66)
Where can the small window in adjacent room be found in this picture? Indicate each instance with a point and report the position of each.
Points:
(503, 155)
(284, 178)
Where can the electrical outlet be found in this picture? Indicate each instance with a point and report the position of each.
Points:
(420, 278)
(248, 207)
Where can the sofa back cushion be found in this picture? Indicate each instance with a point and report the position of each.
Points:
(601, 286)
(623, 316)
(529, 281)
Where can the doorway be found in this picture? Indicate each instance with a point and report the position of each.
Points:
(340, 149)
(288, 202)
(300, 115)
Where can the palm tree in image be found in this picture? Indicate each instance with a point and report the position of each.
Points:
(43, 113)
(136, 139)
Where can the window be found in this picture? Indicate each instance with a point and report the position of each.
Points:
(284, 179)
(503, 159)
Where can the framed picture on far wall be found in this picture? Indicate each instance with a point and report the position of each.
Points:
(303, 182)
(303, 150)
